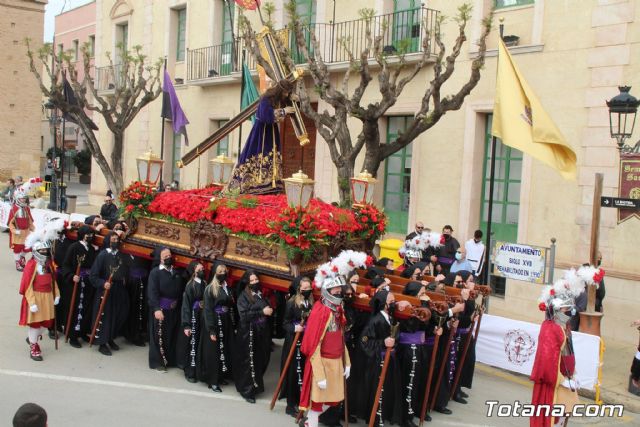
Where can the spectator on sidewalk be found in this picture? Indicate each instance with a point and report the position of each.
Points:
(475, 252)
(109, 211)
(461, 263)
(8, 192)
(30, 415)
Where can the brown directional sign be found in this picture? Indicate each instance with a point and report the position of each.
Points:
(620, 203)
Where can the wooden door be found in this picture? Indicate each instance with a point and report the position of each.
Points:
(295, 157)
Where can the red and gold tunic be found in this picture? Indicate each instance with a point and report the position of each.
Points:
(36, 288)
(323, 344)
(20, 219)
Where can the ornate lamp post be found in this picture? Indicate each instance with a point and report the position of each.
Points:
(51, 113)
(362, 187)
(149, 168)
(222, 167)
(622, 118)
(299, 189)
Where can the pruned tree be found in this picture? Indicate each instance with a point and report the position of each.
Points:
(134, 84)
(393, 72)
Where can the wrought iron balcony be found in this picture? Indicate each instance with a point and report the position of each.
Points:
(404, 33)
(108, 78)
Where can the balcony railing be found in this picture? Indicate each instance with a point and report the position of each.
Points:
(404, 33)
(108, 78)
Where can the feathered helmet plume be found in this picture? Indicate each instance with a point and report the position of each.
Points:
(42, 237)
(412, 247)
(328, 275)
(563, 292)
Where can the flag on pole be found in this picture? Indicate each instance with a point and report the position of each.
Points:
(249, 93)
(172, 110)
(71, 99)
(521, 122)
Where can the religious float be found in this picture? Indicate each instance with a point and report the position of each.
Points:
(281, 235)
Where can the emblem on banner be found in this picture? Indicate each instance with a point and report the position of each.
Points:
(518, 346)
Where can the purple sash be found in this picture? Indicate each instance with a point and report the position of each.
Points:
(138, 273)
(168, 303)
(430, 341)
(260, 320)
(463, 331)
(221, 309)
(408, 338)
(197, 304)
(85, 272)
(445, 260)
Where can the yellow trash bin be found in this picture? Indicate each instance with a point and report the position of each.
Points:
(389, 249)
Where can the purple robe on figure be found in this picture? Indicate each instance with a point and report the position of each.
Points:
(259, 168)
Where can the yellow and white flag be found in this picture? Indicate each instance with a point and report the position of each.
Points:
(520, 121)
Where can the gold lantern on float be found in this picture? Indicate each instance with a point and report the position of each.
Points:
(299, 189)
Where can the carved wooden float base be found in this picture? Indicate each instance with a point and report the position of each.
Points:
(208, 241)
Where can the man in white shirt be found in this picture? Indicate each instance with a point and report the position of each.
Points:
(475, 252)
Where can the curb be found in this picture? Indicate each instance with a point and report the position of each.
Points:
(630, 401)
(610, 397)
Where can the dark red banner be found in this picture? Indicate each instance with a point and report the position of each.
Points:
(629, 184)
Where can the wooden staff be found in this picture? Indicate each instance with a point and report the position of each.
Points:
(427, 390)
(445, 359)
(72, 305)
(346, 404)
(285, 368)
(383, 374)
(105, 295)
(55, 318)
(467, 341)
(475, 337)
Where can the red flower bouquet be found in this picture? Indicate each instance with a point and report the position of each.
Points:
(135, 199)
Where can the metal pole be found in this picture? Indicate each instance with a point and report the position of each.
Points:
(487, 273)
(552, 260)
(62, 157)
(241, 93)
(161, 185)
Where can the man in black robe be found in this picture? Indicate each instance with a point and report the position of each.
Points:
(109, 272)
(446, 254)
(76, 269)
(135, 329)
(59, 248)
(165, 288)
(377, 338)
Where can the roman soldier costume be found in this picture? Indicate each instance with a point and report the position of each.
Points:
(554, 364)
(20, 225)
(38, 287)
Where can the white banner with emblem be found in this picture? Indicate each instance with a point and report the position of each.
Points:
(40, 216)
(511, 344)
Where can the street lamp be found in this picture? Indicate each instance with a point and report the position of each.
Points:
(622, 118)
(149, 168)
(54, 120)
(222, 167)
(362, 187)
(299, 189)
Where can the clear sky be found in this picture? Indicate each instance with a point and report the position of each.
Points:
(53, 8)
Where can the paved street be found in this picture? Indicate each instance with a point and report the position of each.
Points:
(82, 387)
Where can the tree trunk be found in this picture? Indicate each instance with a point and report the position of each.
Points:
(372, 158)
(345, 173)
(116, 162)
(101, 161)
